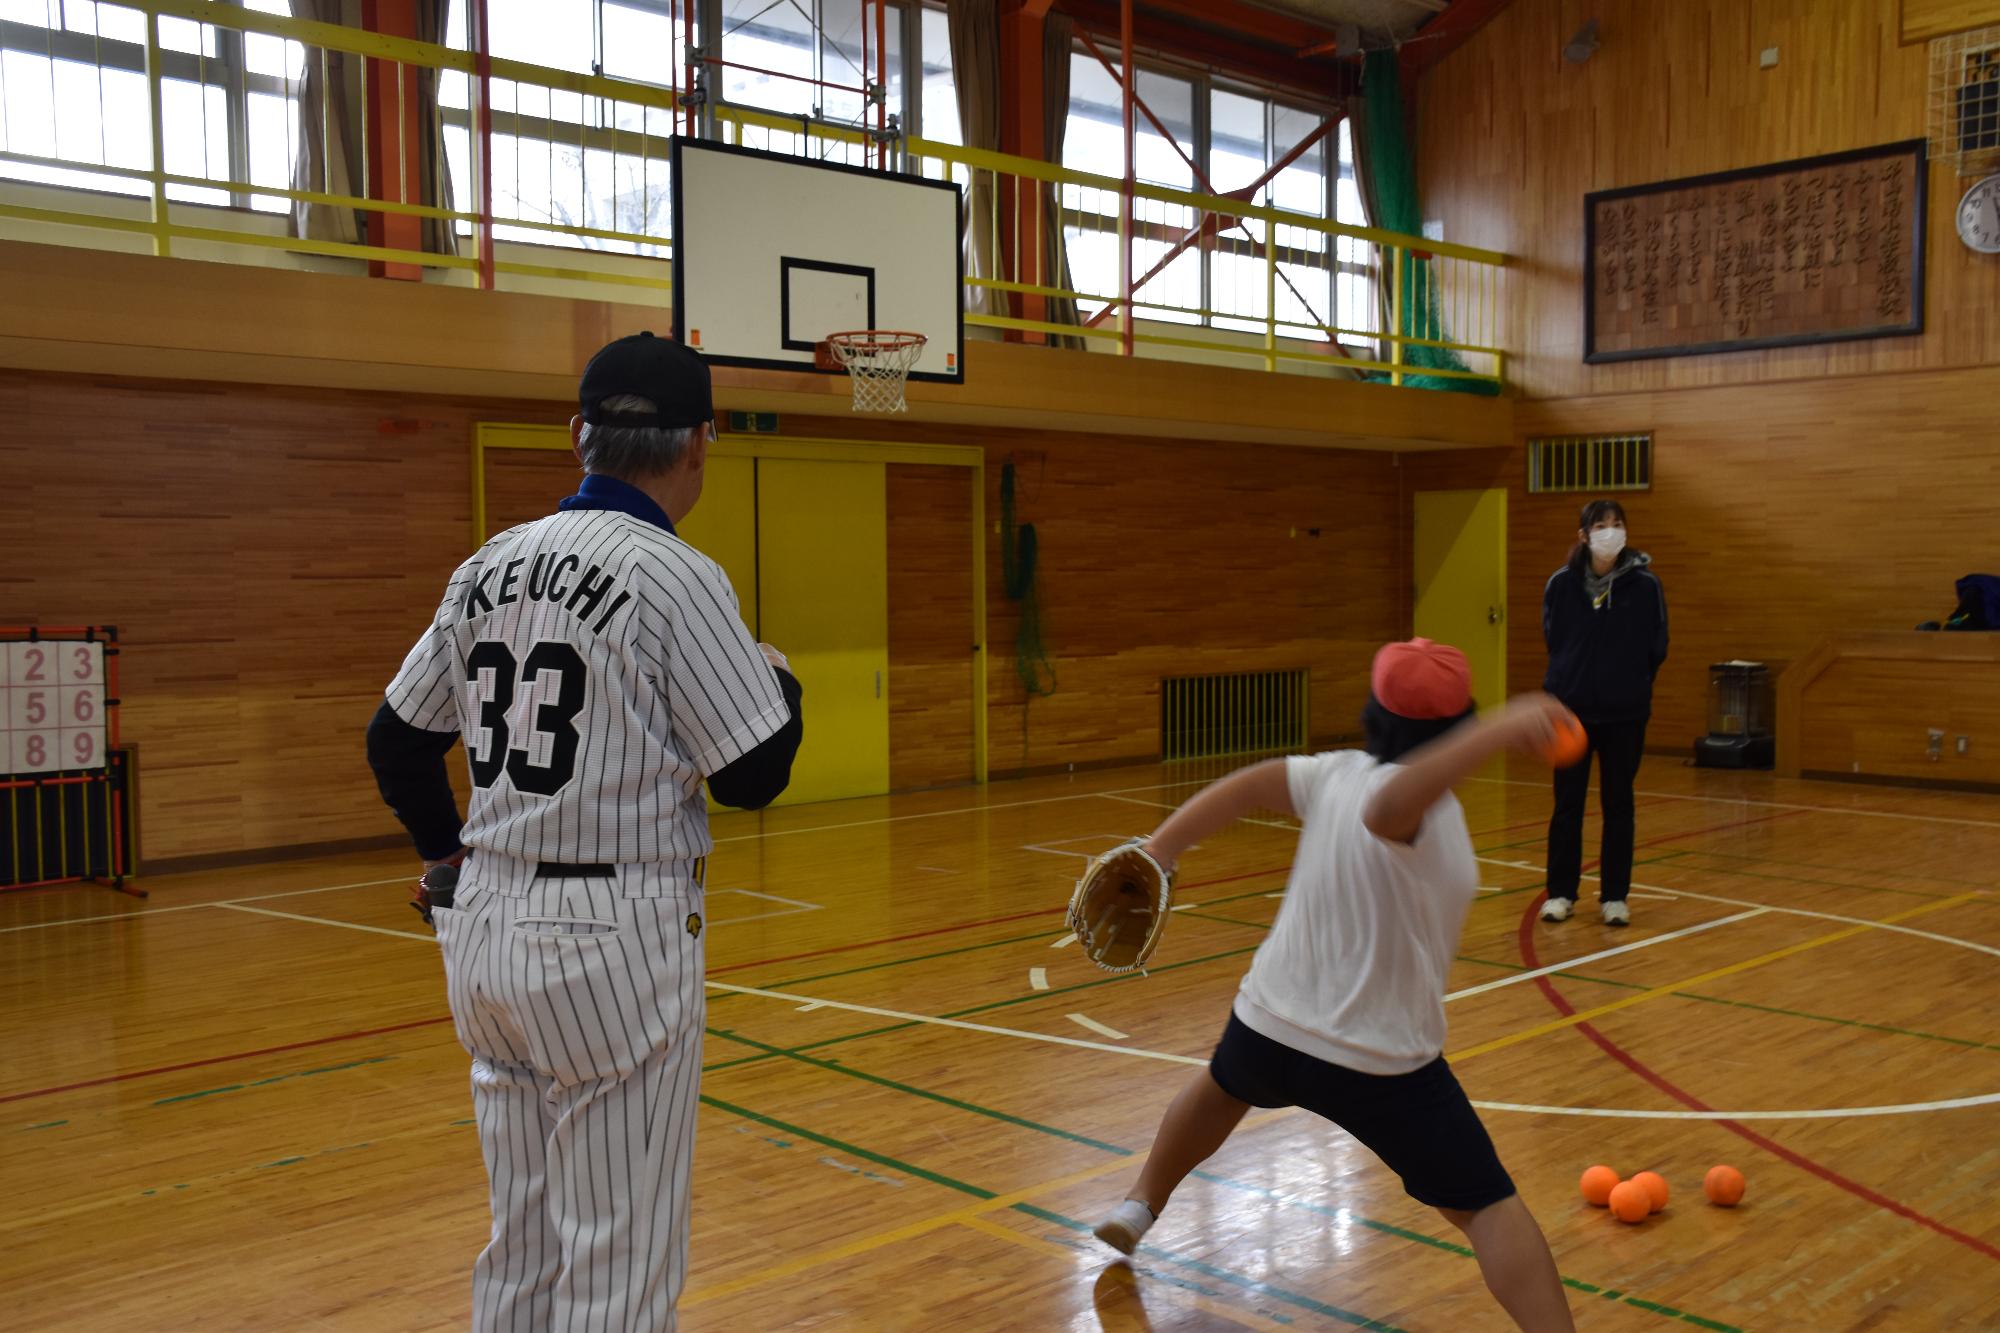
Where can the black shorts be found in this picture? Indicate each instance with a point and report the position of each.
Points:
(1420, 1124)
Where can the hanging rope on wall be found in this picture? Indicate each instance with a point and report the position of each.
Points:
(1018, 553)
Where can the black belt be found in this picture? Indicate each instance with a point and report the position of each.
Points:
(601, 870)
(592, 870)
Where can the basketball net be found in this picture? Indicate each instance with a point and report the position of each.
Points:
(878, 364)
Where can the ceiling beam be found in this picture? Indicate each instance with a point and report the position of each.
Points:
(1264, 53)
(1445, 34)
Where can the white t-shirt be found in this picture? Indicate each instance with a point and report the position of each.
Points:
(1353, 972)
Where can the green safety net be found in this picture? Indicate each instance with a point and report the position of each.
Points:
(1392, 179)
(1018, 550)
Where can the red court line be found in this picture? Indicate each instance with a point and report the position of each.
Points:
(1697, 832)
(430, 1022)
(966, 925)
(224, 1059)
(1693, 1103)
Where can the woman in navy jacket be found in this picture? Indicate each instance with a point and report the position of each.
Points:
(1604, 617)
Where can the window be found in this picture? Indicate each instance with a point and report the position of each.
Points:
(560, 159)
(73, 96)
(1217, 275)
(809, 58)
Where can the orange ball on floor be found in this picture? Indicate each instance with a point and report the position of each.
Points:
(1568, 746)
(1655, 1186)
(1630, 1202)
(1723, 1185)
(1597, 1184)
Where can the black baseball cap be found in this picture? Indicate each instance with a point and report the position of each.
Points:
(674, 377)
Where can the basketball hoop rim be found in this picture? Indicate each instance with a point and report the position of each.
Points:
(876, 340)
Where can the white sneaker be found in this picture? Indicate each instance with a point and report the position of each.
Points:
(1617, 914)
(1128, 1222)
(1558, 909)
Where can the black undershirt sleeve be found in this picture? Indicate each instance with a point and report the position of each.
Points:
(762, 773)
(409, 771)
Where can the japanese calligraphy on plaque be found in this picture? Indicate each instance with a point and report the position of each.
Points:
(1816, 250)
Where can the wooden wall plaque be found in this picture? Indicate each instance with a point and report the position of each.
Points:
(1816, 250)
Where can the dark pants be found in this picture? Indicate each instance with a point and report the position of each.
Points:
(1617, 747)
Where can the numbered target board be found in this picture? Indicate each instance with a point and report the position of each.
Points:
(54, 694)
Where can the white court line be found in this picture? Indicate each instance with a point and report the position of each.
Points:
(962, 1025)
(195, 907)
(328, 921)
(1621, 1113)
(958, 810)
(770, 898)
(1791, 911)
(741, 837)
(1064, 942)
(1519, 977)
(1055, 846)
(808, 1008)
(1164, 805)
(1038, 978)
(1086, 1021)
(1765, 805)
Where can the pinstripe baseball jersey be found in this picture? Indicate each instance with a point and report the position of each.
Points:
(599, 669)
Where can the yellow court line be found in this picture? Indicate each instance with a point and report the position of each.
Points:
(1217, 1308)
(864, 1244)
(1584, 1016)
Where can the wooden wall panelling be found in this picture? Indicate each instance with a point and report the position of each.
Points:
(1924, 19)
(930, 625)
(268, 556)
(1511, 137)
(1863, 704)
(1779, 513)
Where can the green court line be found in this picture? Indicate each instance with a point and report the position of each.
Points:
(1210, 1270)
(266, 1082)
(990, 1113)
(979, 1192)
(939, 1097)
(1390, 1229)
(1225, 920)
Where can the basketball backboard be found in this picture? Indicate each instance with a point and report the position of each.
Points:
(772, 253)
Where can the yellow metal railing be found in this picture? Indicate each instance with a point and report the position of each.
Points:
(552, 110)
(1211, 274)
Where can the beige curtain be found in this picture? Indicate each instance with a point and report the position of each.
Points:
(975, 70)
(331, 141)
(1058, 37)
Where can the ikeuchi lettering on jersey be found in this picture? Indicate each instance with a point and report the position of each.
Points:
(551, 577)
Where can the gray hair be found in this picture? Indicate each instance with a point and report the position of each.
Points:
(631, 452)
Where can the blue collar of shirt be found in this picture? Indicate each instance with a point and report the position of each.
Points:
(600, 492)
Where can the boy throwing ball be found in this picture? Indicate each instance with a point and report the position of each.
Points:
(1342, 1011)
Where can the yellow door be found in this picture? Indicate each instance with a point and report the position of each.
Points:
(1461, 565)
(723, 526)
(823, 600)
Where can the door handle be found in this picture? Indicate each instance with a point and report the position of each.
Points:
(878, 685)
(1493, 615)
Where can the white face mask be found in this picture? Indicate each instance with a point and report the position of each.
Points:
(1606, 543)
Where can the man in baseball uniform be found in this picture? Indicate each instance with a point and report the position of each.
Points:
(599, 671)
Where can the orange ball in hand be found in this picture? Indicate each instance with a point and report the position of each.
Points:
(1630, 1202)
(1568, 746)
(1723, 1185)
(1597, 1184)
(1655, 1186)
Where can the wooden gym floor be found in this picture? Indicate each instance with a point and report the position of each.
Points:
(239, 1105)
